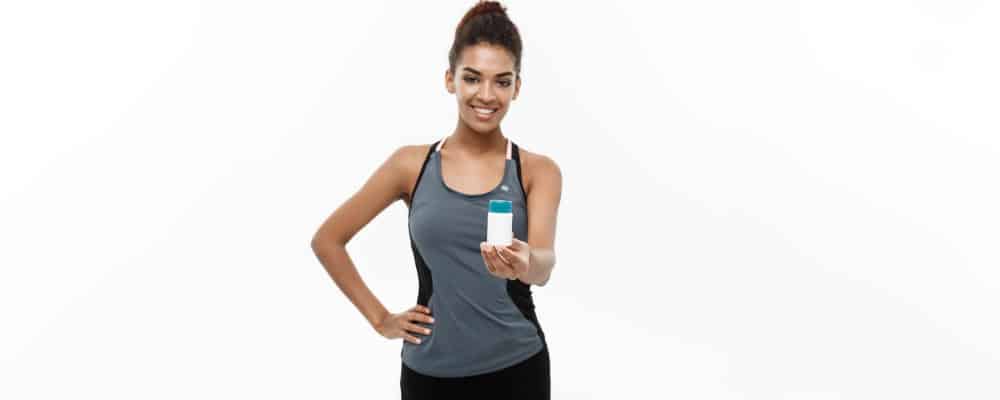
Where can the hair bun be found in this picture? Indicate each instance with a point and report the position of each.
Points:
(481, 8)
(486, 22)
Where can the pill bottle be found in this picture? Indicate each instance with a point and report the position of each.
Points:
(500, 222)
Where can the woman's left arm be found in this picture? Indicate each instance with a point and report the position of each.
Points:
(543, 206)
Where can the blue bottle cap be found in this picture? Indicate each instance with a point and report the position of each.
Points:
(501, 206)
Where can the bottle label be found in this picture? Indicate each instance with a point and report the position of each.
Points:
(499, 228)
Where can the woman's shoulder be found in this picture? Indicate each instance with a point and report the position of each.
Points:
(406, 155)
(408, 159)
(536, 167)
(537, 162)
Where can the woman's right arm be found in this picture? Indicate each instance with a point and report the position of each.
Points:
(386, 185)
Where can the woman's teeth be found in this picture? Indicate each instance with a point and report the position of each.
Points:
(484, 111)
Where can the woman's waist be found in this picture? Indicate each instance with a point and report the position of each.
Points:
(465, 353)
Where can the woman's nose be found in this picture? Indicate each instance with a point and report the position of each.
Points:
(485, 94)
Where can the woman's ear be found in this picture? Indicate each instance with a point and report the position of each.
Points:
(449, 82)
(517, 86)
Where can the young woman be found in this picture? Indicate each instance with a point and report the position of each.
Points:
(473, 332)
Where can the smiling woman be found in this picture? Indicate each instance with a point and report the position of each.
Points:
(474, 332)
(488, 60)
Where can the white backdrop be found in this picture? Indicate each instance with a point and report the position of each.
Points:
(761, 200)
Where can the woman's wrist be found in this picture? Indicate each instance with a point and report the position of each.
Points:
(376, 321)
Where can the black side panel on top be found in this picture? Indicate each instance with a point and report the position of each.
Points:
(426, 285)
(423, 273)
(518, 291)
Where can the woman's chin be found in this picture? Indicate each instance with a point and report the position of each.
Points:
(481, 127)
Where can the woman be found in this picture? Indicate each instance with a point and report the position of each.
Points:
(473, 332)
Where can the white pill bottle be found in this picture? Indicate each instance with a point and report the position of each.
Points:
(500, 223)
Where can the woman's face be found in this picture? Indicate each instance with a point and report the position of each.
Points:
(484, 79)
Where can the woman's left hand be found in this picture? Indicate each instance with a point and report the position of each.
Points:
(510, 262)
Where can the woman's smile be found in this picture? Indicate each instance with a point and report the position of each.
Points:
(484, 114)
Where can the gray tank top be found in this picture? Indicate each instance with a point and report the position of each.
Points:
(482, 323)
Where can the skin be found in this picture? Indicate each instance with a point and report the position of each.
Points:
(472, 162)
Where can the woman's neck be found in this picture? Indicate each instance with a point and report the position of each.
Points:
(475, 143)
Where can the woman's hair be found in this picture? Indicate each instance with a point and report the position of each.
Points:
(486, 22)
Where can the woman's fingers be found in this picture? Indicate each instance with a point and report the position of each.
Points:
(411, 339)
(505, 268)
(421, 308)
(402, 325)
(486, 259)
(414, 316)
(497, 252)
(411, 327)
(510, 255)
(491, 262)
(495, 264)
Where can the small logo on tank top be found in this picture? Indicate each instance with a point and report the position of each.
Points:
(504, 188)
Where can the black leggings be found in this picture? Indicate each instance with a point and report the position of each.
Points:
(528, 380)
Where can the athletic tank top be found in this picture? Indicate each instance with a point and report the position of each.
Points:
(482, 323)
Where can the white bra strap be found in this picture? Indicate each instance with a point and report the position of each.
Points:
(441, 143)
(508, 148)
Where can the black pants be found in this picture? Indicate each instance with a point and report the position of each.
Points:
(527, 380)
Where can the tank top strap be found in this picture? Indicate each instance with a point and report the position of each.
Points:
(515, 153)
(420, 174)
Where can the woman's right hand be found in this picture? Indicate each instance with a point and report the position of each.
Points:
(400, 325)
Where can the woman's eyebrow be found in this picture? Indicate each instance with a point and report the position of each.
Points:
(480, 73)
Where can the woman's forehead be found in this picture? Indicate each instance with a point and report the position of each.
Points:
(486, 59)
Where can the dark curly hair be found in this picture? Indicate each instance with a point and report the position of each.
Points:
(486, 22)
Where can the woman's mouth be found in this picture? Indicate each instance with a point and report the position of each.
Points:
(484, 114)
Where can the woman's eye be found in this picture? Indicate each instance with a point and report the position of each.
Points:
(471, 79)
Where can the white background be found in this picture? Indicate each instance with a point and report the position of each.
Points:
(761, 200)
